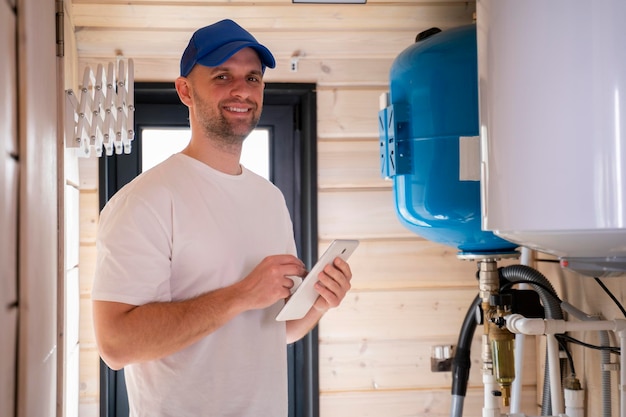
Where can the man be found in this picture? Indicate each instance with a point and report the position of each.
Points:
(194, 256)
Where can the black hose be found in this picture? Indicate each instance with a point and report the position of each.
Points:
(550, 300)
(462, 362)
(552, 308)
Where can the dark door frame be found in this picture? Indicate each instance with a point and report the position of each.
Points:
(290, 110)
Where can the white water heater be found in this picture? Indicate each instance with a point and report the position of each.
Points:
(552, 93)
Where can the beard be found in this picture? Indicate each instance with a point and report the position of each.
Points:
(216, 125)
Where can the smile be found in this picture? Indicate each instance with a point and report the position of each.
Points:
(237, 109)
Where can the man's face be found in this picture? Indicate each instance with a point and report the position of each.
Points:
(228, 99)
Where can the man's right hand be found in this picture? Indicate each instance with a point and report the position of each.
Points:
(268, 282)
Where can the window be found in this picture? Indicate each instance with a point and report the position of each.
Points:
(159, 143)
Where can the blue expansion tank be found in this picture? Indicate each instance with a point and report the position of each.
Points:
(430, 143)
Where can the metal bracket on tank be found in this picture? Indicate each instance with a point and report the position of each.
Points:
(487, 256)
(395, 145)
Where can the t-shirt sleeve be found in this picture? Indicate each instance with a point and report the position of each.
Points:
(133, 251)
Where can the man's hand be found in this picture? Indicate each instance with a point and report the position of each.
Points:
(333, 284)
(268, 282)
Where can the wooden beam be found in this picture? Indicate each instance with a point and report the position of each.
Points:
(272, 17)
(312, 44)
(326, 72)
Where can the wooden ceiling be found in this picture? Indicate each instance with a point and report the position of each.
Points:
(331, 39)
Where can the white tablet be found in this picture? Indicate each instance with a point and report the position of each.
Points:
(305, 295)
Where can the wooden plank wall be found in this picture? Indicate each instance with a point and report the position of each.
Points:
(408, 294)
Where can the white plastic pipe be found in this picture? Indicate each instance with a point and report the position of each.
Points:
(527, 259)
(491, 406)
(516, 386)
(574, 402)
(517, 323)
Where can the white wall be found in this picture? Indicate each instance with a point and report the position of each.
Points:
(38, 208)
(8, 209)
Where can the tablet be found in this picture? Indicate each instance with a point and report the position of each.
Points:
(305, 295)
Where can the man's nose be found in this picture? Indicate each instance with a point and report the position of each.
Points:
(240, 88)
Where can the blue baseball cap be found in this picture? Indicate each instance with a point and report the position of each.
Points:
(214, 44)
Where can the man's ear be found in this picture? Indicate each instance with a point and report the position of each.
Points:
(183, 88)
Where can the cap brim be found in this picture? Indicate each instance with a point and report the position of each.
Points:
(223, 53)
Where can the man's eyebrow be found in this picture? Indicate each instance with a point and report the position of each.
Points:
(221, 68)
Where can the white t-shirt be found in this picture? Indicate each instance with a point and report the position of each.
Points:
(179, 230)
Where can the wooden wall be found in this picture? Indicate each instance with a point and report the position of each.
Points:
(408, 294)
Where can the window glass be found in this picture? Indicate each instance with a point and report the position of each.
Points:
(157, 144)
